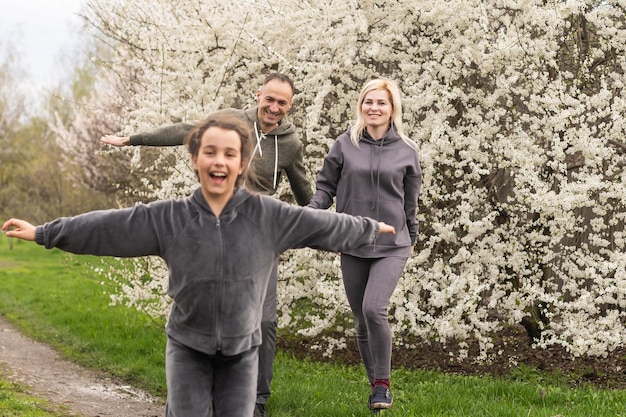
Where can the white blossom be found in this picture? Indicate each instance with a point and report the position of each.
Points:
(518, 115)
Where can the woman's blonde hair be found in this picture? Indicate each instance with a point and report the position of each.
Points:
(396, 110)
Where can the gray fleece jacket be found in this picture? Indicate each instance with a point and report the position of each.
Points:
(218, 267)
(280, 151)
(380, 179)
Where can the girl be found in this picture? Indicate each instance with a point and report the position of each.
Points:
(220, 245)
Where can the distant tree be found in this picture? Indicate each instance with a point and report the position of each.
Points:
(36, 182)
(81, 112)
(12, 107)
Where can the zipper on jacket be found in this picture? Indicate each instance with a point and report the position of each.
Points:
(218, 305)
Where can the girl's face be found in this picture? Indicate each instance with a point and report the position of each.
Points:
(218, 163)
(376, 108)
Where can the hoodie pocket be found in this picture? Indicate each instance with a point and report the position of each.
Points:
(226, 308)
(390, 212)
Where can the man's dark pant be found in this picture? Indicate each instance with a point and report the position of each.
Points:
(267, 350)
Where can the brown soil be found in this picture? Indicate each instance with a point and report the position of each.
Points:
(74, 390)
(516, 357)
(84, 393)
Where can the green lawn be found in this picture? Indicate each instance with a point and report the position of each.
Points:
(55, 298)
(14, 402)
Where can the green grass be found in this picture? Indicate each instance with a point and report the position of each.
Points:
(51, 297)
(60, 302)
(342, 391)
(14, 402)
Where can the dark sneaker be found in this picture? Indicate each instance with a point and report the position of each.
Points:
(381, 398)
(260, 411)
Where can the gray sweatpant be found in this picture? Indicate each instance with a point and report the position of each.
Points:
(369, 284)
(201, 385)
(267, 350)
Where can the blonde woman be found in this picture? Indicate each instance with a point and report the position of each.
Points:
(373, 170)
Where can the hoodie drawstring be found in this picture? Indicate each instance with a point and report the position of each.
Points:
(259, 138)
(257, 146)
(376, 201)
(275, 159)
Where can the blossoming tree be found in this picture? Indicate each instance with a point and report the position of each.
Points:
(518, 109)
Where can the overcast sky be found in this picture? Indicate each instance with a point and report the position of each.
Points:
(41, 31)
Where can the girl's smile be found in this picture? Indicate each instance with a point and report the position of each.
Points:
(218, 164)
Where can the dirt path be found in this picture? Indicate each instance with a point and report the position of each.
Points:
(83, 392)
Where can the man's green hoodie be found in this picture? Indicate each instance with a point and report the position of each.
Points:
(274, 152)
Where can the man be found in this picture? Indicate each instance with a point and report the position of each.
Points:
(277, 149)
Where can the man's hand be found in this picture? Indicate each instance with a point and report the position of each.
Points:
(118, 141)
(20, 229)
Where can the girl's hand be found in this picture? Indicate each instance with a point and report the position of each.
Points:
(385, 228)
(20, 229)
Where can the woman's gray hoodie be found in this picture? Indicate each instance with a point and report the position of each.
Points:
(380, 179)
(218, 267)
(277, 151)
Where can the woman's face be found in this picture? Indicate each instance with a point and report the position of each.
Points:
(218, 163)
(376, 109)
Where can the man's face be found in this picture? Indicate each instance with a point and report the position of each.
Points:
(274, 99)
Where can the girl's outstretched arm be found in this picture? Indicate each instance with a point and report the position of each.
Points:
(20, 229)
